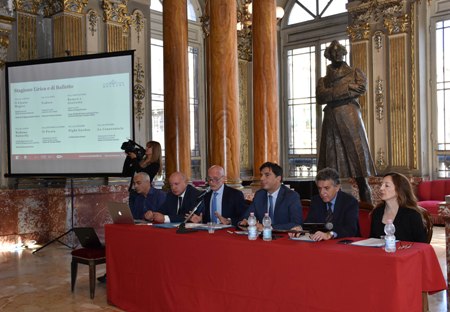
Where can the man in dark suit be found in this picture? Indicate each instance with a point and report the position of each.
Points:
(223, 204)
(333, 206)
(282, 203)
(181, 199)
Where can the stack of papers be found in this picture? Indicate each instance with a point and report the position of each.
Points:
(198, 226)
(370, 242)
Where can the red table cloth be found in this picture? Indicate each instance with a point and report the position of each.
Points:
(153, 269)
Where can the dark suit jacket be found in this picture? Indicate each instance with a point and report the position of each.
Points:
(345, 215)
(169, 207)
(288, 208)
(233, 205)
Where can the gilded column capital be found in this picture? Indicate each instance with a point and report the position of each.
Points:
(117, 11)
(395, 25)
(28, 6)
(359, 32)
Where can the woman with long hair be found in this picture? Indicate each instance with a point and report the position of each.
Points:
(400, 205)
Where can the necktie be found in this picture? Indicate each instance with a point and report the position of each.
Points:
(329, 217)
(214, 208)
(271, 208)
(180, 202)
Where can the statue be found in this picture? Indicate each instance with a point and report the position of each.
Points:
(343, 144)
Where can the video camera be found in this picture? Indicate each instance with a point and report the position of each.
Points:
(132, 147)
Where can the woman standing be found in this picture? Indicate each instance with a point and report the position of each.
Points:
(400, 205)
(150, 163)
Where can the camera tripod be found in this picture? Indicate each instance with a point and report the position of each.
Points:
(57, 239)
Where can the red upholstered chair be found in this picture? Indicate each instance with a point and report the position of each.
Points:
(306, 203)
(91, 257)
(365, 218)
(430, 194)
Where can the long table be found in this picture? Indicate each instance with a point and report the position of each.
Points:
(152, 269)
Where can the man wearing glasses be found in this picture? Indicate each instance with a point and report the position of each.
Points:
(223, 204)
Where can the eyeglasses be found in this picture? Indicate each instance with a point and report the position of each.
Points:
(209, 179)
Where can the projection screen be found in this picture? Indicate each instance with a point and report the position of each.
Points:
(69, 116)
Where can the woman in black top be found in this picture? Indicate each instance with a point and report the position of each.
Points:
(399, 204)
(150, 163)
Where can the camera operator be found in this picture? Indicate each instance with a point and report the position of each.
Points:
(149, 163)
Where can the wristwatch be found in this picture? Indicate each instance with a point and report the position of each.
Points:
(332, 234)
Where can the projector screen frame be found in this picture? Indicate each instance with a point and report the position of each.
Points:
(65, 60)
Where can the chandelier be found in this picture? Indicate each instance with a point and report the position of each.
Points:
(244, 27)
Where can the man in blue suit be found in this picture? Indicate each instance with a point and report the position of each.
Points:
(282, 203)
(223, 204)
(333, 206)
(181, 199)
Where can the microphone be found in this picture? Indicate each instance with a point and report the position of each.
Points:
(206, 191)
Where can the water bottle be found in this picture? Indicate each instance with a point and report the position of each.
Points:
(389, 239)
(267, 228)
(252, 231)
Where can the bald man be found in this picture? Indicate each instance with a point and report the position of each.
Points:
(223, 204)
(181, 199)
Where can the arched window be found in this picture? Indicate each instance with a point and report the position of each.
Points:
(304, 37)
(195, 67)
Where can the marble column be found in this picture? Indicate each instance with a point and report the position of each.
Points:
(265, 84)
(176, 101)
(224, 103)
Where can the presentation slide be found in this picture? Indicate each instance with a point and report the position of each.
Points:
(72, 118)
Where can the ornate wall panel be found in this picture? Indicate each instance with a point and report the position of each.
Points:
(68, 36)
(244, 111)
(26, 37)
(398, 100)
(118, 22)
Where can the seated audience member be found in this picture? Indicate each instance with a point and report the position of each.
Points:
(282, 203)
(223, 204)
(148, 198)
(400, 205)
(333, 206)
(180, 200)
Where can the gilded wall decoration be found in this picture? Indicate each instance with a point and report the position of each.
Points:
(28, 6)
(139, 91)
(92, 18)
(204, 19)
(139, 73)
(379, 99)
(5, 29)
(378, 40)
(117, 11)
(380, 162)
(413, 89)
(359, 31)
(26, 37)
(138, 21)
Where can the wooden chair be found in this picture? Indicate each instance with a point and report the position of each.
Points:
(91, 257)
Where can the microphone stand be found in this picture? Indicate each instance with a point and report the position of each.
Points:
(182, 227)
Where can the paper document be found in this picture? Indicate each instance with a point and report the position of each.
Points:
(304, 238)
(370, 242)
(166, 225)
(202, 226)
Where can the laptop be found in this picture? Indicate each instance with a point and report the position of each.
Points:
(88, 237)
(121, 214)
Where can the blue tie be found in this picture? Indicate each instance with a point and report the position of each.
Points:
(214, 208)
(271, 208)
